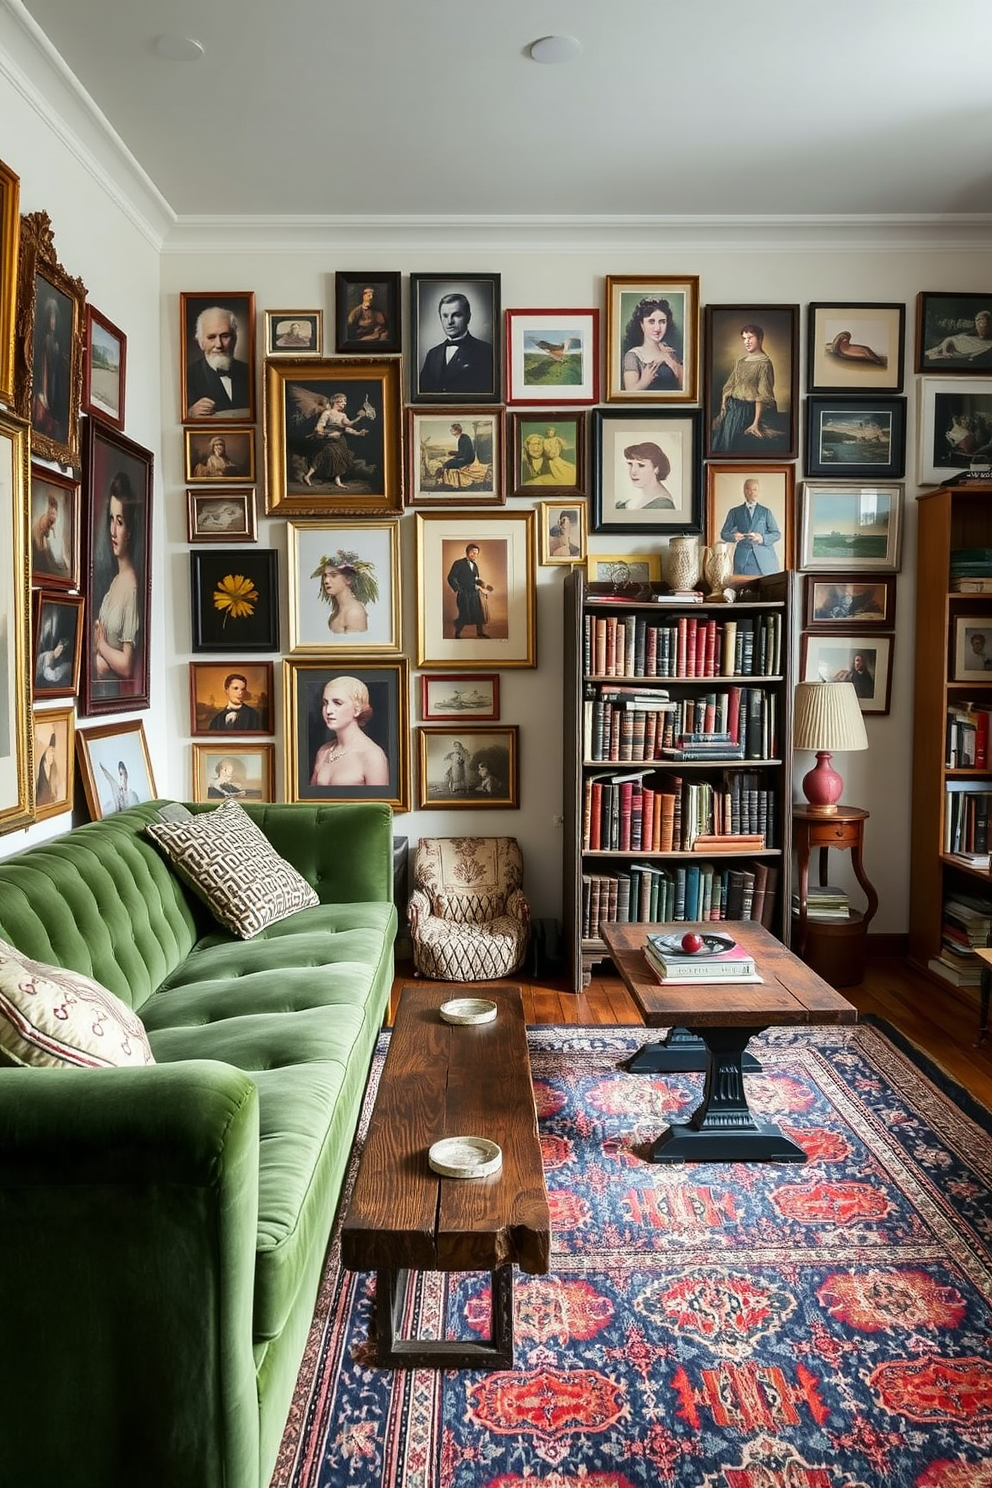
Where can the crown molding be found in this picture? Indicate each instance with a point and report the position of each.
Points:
(970, 233)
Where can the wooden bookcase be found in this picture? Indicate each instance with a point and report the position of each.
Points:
(950, 518)
(770, 596)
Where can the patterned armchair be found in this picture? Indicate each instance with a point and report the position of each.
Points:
(469, 920)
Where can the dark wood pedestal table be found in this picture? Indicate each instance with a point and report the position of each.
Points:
(442, 1080)
(725, 1016)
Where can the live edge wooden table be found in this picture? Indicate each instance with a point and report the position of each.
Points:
(442, 1080)
(725, 1017)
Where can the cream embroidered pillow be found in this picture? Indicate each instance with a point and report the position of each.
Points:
(51, 1017)
(234, 868)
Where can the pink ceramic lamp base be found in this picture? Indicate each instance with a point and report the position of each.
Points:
(822, 786)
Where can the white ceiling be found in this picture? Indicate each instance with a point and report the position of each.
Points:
(432, 108)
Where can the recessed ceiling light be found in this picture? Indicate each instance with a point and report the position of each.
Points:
(178, 48)
(552, 49)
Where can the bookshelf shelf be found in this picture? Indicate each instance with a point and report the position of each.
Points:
(951, 519)
(706, 667)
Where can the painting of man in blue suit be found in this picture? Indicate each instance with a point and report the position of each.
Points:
(754, 530)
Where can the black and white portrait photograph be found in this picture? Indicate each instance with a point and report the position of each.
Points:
(455, 334)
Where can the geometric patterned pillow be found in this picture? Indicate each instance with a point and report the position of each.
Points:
(50, 1018)
(232, 866)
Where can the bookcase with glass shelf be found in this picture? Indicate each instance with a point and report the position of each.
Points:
(950, 909)
(678, 754)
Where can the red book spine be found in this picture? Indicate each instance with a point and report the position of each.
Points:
(680, 647)
(647, 819)
(711, 648)
(691, 626)
(734, 714)
(595, 815)
(701, 629)
(626, 799)
(651, 651)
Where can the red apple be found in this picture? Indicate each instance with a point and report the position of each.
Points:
(692, 942)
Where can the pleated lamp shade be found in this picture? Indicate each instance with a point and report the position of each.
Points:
(828, 720)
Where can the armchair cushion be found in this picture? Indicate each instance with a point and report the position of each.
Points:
(469, 909)
(468, 915)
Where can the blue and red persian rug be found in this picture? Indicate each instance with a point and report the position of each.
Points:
(704, 1325)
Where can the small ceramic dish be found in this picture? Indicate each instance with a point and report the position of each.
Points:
(468, 1010)
(465, 1157)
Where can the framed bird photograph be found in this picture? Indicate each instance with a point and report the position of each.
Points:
(333, 437)
(855, 346)
(552, 356)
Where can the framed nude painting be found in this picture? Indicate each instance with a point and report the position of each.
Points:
(58, 643)
(344, 586)
(348, 730)
(954, 333)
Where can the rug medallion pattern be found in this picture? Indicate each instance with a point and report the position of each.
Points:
(824, 1325)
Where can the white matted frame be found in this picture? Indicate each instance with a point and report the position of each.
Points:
(850, 529)
(552, 356)
(455, 457)
(294, 333)
(234, 772)
(972, 648)
(461, 696)
(344, 587)
(448, 621)
(221, 516)
(115, 767)
(468, 766)
(863, 660)
(955, 427)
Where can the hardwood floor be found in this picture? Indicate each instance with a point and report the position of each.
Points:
(942, 1023)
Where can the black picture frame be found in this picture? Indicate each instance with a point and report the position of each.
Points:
(677, 434)
(117, 486)
(476, 373)
(856, 438)
(724, 349)
(954, 333)
(374, 328)
(234, 597)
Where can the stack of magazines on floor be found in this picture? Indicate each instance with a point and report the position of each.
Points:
(824, 902)
(698, 956)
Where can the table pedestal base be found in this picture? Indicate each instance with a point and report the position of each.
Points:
(722, 1128)
(679, 1052)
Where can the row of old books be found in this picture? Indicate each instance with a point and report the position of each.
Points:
(647, 893)
(628, 725)
(966, 922)
(653, 811)
(635, 645)
(971, 570)
(967, 814)
(967, 740)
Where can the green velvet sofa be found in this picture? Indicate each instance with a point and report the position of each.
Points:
(163, 1229)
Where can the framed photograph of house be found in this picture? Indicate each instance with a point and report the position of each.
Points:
(54, 761)
(239, 772)
(220, 516)
(476, 590)
(548, 453)
(459, 696)
(217, 334)
(856, 438)
(367, 311)
(333, 437)
(344, 586)
(10, 239)
(954, 419)
(455, 458)
(117, 540)
(294, 333)
(220, 454)
(231, 698)
(104, 368)
(863, 660)
(954, 333)
(58, 643)
(751, 506)
(552, 356)
(972, 648)
(835, 601)
(455, 338)
(235, 599)
(751, 397)
(54, 529)
(115, 767)
(624, 571)
(48, 371)
(562, 526)
(850, 529)
(854, 347)
(652, 339)
(347, 728)
(646, 471)
(468, 766)
(16, 773)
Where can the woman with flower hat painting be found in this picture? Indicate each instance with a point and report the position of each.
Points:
(347, 584)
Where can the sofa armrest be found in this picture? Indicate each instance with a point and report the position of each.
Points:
(128, 1227)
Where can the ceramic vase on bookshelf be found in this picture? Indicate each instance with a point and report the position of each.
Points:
(718, 565)
(684, 562)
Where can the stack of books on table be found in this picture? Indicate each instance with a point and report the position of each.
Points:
(824, 902)
(720, 960)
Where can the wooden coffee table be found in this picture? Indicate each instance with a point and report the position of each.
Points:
(725, 1017)
(441, 1080)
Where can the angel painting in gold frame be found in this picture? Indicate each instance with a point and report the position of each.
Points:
(332, 436)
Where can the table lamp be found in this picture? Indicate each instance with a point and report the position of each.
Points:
(827, 719)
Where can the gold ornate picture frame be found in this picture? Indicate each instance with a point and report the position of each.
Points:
(48, 369)
(10, 237)
(16, 764)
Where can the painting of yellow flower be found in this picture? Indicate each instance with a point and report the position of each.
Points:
(236, 597)
(235, 600)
